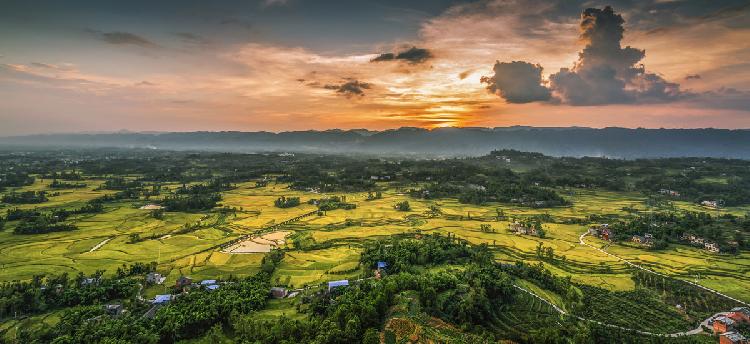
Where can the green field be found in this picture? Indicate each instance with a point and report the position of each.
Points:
(330, 244)
(341, 232)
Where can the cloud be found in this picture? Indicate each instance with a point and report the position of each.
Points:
(605, 72)
(692, 77)
(270, 3)
(191, 38)
(723, 98)
(350, 88)
(50, 66)
(123, 38)
(517, 82)
(412, 55)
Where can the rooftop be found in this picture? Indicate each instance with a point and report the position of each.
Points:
(341, 283)
(162, 298)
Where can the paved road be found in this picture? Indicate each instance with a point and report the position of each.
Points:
(697, 330)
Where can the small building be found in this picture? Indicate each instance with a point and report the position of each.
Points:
(638, 239)
(711, 247)
(382, 265)
(601, 231)
(743, 313)
(732, 338)
(208, 282)
(114, 309)
(89, 281)
(646, 240)
(669, 192)
(155, 278)
(278, 292)
(336, 284)
(710, 204)
(212, 287)
(519, 228)
(723, 324)
(516, 227)
(162, 299)
(183, 282)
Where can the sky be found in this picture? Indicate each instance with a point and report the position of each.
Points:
(282, 65)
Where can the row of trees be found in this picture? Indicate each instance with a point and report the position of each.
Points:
(44, 293)
(25, 197)
(728, 230)
(286, 202)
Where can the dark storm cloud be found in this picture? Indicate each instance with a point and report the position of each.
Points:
(517, 82)
(412, 55)
(605, 73)
(123, 38)
(350, 88)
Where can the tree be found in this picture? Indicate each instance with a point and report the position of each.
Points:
(403, 206)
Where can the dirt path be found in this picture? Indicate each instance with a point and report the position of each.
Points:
(580, 239)
(694, 331)
(99, 245)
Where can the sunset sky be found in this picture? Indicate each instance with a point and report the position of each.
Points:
(278, 65)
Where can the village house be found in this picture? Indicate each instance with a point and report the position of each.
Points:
(723, 324)
(183, 282)
(278, 292)
(669, 192)
(208, 282)
(162, 299)
(703, 243)
(155, 278)
(647, 239)
(601, 231)
(710, 204)
(711, 247)
(89, 281)
(519, 228)
(732, 338)
(336, 284)
(742, 314)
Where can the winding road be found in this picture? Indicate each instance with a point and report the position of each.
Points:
(694, 331)
(699, 329)
(580, 239)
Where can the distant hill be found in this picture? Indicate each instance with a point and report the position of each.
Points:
(573, 141)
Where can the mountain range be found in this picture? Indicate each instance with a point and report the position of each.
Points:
(443, 142)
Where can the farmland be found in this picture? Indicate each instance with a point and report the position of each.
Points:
(327, 245)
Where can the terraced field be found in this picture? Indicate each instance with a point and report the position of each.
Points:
(102, 240)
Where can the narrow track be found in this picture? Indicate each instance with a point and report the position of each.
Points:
(580, 239)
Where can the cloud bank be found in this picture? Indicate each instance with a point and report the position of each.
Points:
(605, 72)
(412, 55)
(350, 88)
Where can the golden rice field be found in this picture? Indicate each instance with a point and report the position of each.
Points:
(23, 256)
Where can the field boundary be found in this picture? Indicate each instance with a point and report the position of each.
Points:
(580, 238)
(246, 236)
(562, 312)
